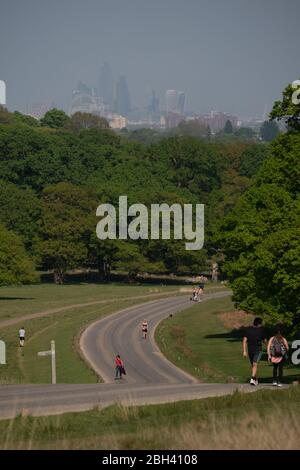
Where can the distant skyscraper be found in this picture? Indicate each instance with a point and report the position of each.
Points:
(153, 107)
(106, 85)
(175, 101)
(122, 103)
(84, 100)
(83, 88)
(171, 101)
(180, 102)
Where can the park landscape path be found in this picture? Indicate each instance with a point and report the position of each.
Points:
(45, 313)
(150, 378)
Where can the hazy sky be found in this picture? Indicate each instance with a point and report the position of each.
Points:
(230, 55)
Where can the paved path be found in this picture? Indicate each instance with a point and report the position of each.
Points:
(52, 311)
(120, 333)
(150, 377)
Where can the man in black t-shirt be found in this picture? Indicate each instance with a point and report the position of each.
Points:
(253, 338)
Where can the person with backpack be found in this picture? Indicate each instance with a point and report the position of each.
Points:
(253, 338)
(120, 370)
(277, 352)
(118, 364)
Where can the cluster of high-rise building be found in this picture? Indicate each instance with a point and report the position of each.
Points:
(112, 100)
(113, 103)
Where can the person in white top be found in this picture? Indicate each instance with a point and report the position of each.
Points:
(22, 336)
(145, 328)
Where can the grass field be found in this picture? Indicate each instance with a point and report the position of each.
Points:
(64, 327)
(203, 341)
(238, 421)
(23, 300)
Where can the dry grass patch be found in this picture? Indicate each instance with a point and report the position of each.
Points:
(236, 319)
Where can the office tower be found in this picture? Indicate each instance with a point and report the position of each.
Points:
(85, 89)
(171, 101)
(180, 102)
(122, 103)
(105, 85)
(153, 107)
(175, 101)
(153, 103)
(84, 100)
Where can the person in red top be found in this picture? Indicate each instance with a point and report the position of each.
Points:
(119, 367)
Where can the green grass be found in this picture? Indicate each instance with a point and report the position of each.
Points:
(230, 422)
(196, 341)
(23, 300)
(24, 366)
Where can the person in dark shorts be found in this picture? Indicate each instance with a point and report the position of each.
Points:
(22, 336)
(253, 339)
(119, 367)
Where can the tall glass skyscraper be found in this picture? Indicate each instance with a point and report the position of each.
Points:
(175, 101)
(106, 85)
(123, 102)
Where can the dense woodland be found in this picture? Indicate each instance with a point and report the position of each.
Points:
(55, 172)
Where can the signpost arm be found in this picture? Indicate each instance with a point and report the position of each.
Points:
(53, 362)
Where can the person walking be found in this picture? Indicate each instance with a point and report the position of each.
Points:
(119, 367)
(145, 329)
(22, 336)
(252, 346)
(277, 351)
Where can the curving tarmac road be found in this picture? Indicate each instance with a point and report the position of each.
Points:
(120, 333)
(150, 378)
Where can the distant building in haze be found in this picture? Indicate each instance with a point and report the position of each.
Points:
(106, 85)
(180, 102)
(39, 109)
(175, 101)
(85, 100)
(153, 107)
(117, 122)
(173, 119)
(216, 120)
(122, 101)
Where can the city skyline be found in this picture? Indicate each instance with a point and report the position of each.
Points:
(229, 56)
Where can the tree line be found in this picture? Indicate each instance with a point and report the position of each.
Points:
(54, 173)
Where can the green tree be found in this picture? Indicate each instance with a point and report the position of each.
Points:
(192, 128)
(82, 121)
(245, 132)
(252, 159)
(228, 128)
(269, 131)
(5, 116)
(25, 119)
(128, 258)
(286, 109)
(15, 265)
(55, 118)
(68, 219)
(261, 238)
(20, 211)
